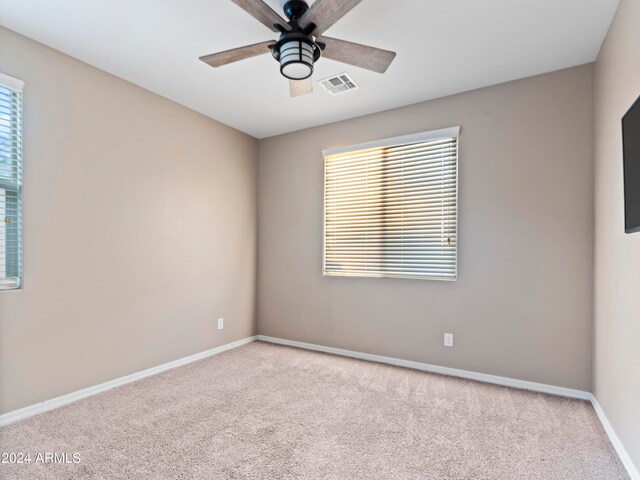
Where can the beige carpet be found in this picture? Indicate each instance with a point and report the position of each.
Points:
(270, 412)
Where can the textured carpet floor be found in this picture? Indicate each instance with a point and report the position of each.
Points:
(271, 412)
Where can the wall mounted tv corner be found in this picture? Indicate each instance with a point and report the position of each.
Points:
(631, 154)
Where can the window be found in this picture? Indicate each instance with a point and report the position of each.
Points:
(390, 208)
(10, 182)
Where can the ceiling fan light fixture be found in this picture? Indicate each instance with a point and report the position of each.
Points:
(296, 53)
(296, 59)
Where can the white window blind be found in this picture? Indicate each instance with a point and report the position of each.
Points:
(390, 208)
(10, 182)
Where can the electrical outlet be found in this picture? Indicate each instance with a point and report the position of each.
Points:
(220, 323)
(448, 339)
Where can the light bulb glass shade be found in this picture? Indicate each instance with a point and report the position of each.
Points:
(296, 60)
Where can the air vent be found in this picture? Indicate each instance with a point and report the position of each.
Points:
(339, 84)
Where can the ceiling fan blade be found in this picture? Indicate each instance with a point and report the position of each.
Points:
(230, 56)
(300, 87)
(263, 13)
(370, 58)
(324, 13)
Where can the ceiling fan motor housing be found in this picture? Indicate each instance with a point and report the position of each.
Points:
(294, 9)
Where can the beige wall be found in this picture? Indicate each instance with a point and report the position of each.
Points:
(139, 230)
(522, 306)
(617, 256)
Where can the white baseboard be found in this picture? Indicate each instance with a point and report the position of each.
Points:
(47, 405)
(617, 444)
(454, 372)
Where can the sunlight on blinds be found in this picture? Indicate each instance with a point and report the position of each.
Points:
(391, 211)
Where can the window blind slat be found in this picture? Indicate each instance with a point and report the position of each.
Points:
(401, 181)
(373, 152)
(392, 211)
(374, 193)
(386, 169)
(430, 160)
(386, 213)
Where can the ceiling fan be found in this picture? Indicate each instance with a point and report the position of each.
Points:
(301, 42)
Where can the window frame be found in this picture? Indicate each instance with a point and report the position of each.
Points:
(421, 137)
(15, 283)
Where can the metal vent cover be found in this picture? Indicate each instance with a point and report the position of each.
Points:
(339, 84)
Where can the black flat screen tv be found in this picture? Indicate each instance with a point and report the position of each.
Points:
(631, 153)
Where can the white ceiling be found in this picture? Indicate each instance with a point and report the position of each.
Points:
(443, 46)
